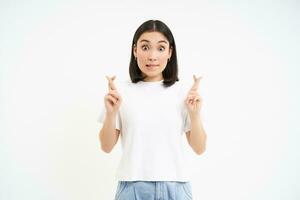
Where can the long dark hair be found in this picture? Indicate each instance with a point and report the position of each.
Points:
(170, 73)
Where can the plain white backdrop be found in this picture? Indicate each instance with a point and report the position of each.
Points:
(54, 56)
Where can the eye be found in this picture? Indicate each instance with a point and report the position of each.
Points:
(162, 48)
(145, 47)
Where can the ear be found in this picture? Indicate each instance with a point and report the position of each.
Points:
(170, 51)
(134, 50)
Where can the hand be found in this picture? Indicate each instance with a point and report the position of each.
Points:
(112, 99)
(193, 101)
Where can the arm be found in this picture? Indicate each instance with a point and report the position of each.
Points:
(108, 135)
(196, 136)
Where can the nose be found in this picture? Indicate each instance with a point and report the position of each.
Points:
(152, 59)
(152, 56)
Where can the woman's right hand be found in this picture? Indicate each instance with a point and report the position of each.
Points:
(112, 99)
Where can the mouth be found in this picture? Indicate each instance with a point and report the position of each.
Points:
(153, 66)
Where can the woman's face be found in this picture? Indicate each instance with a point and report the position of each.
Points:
(152, 52)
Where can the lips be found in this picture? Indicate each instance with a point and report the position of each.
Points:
(151, 65)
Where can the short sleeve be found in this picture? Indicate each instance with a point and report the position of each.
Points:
(101, 118)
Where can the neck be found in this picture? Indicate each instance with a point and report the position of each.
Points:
(153, 79)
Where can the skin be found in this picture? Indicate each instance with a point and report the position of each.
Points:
(196, 136)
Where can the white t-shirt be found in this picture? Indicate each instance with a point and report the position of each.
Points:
(152, 121)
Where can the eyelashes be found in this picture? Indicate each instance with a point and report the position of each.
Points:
(146, 47)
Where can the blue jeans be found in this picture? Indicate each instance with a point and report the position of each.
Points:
(153, 190)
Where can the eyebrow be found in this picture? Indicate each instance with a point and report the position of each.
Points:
(161, 41)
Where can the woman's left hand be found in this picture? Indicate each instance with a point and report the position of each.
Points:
(193, 100)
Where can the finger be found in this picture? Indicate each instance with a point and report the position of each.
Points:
(111, 99)
(192, 92)
(192, 96)
(111, 85)
(114, 93)
(197, 99)
(196, 83)
(108, 79)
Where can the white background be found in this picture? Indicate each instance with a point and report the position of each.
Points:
(54, 56)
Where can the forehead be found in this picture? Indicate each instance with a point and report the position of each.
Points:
(153, 37)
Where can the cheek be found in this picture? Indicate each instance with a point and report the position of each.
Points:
(164, 60)
(142, 57)
(165, 57)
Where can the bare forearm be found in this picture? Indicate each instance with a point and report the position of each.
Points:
(197, 135)
(107, 134)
